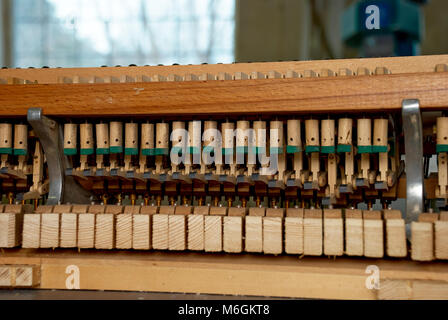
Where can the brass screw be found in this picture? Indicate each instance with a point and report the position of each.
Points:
(216, 201)
(201, 201)
(133, 199)
(159, 200)
(244, 202)
(258, 201)
(146, 199)
(229, 202)
(105, 198)
(11, 198)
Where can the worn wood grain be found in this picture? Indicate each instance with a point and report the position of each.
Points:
(279, 96)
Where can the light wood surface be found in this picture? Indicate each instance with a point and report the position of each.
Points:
(279, 96)
(396, 65)
(254, 233)
(286, 276)
(272, 235)
(373, 234)
(49, 230)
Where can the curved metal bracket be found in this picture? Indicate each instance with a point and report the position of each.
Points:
(413, 138)
(49, 134)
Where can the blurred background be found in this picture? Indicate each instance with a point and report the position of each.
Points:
(92, 33)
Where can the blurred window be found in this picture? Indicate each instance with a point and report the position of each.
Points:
(91, 33)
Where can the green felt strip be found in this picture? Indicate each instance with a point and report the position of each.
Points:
(116, 150)
(161, 152)
(344, 148)
(379, 149)
(176, 150)
(364, 149)
(131, 151)
(328, 149)
(21, 152)
(442, 148)
(194, 150)
(5, 150)
(227, 151)
(102, 151)
(276, 150)
(311, 149)
(293, 149)
(148, 152)
(67, 151)
(208, 149)
(87, 152)
(241, 150)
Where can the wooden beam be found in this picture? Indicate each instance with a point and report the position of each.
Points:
(198, 273)
(279, 96)
(396, 65)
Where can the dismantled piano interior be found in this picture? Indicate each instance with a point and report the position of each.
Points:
(293, 158)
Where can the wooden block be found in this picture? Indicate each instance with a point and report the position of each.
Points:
(44, 209)
(395, 234)
(26, 276)
(312, 233)
(86, 231)
(5, 276)
(428, 217)
(141, 235)
(443, 216)
(272, 235)
(11, 226)
(237, 212)
(183, 210)
(49, 230)
(422, 244)
(333, 233)
(31, 230)
(149, 210)
(80, 208)
(124, 231)
(392, 214)
(2, 208)
(160, 231)
(177, 239)
(271, 212)
(254, 234)
(441, 240)
(167, 210)
(196, 231)
(295, 212)
(294, 231)
(69, 230)
(66, 208)
(17, 208)
(218, 211)
(105, 231)
(373, 234)
(233, 233)
(354, 233)
(257, 212)
(96, 209)
(213, 233)
(114, 209)
(202, 210)
(132, 209)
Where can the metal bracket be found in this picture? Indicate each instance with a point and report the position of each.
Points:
(413, 138)
(62, 188)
